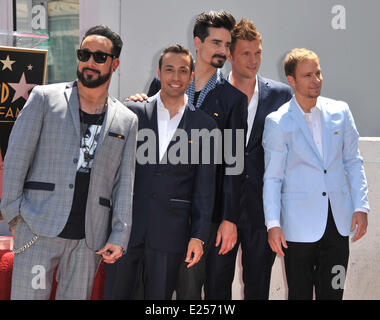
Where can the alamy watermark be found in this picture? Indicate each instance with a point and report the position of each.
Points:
(39, 280)
(203, 146)
(339, 279)
(338, 22)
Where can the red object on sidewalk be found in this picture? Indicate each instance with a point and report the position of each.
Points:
(6, 266)
(97, 290)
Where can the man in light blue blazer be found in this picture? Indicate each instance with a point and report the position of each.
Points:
(315, 189)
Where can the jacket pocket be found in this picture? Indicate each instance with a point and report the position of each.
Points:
(116, 135)
(179, 203)
(105, 202)
(36, 185)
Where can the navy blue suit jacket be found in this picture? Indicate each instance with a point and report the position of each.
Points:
(272, 95)
(228, 106)
(172, 202)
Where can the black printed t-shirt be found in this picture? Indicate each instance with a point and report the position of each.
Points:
(91, 125)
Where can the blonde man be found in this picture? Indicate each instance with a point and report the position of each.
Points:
(264, 96)
(311, 145)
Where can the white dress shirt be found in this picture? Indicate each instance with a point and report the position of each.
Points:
(166, 125)
(314, 121)
(252, 108)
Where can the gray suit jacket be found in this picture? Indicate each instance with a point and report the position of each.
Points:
(41, 163)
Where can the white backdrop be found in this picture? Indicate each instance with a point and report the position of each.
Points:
(349, 56)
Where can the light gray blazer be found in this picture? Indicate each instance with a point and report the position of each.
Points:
(41, 163)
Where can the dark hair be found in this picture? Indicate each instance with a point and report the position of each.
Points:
(102, 30)
(212, 19)
(177, 48)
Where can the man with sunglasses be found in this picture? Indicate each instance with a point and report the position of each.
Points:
(68, 177)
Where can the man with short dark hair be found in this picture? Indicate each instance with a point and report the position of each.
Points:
(68, 177)
(173, 202)
(211, 93)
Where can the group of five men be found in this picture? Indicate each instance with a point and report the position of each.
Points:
(77, 191)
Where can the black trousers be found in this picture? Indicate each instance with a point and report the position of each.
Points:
(257, 262)
(190, 281)
(142, 273)
(321, 265)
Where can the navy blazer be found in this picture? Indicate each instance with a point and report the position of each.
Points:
(272, 95)
(228, 106)
(172, 202)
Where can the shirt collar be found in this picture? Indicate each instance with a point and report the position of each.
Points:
(215, 79)
(255, 92)
(317, 107)
(161, 107)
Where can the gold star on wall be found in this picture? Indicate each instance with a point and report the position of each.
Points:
(7, 63)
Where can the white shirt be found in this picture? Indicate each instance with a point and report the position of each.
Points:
(252, 108)
(166, 125)
(313, 119)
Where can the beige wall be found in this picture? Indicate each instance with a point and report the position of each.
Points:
(363, 274)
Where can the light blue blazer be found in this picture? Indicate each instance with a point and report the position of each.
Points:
(298, 182)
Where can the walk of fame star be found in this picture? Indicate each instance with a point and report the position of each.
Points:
(22, 88)
(7, 63)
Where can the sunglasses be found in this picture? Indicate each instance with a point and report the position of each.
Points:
(99, 56)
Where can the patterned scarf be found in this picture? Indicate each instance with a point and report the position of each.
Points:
(211, 84)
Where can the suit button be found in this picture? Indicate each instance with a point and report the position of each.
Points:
(71, 186)
(247, 176)
(324, 194)
(154, 196)
(247, 153)
(75, 161)
(325, 171)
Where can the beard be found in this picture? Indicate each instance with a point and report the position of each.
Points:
(219, 62)
(89, 82)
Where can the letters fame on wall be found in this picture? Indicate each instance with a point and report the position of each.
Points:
(21, 70)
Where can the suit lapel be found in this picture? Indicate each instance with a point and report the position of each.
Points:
(261, 113)
(151, 115)
(71, 94)
(325, 119)
(301, 122)
(183, 124)
(212, 95)
(110, 114)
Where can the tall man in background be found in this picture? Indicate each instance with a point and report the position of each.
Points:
(264, 96)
